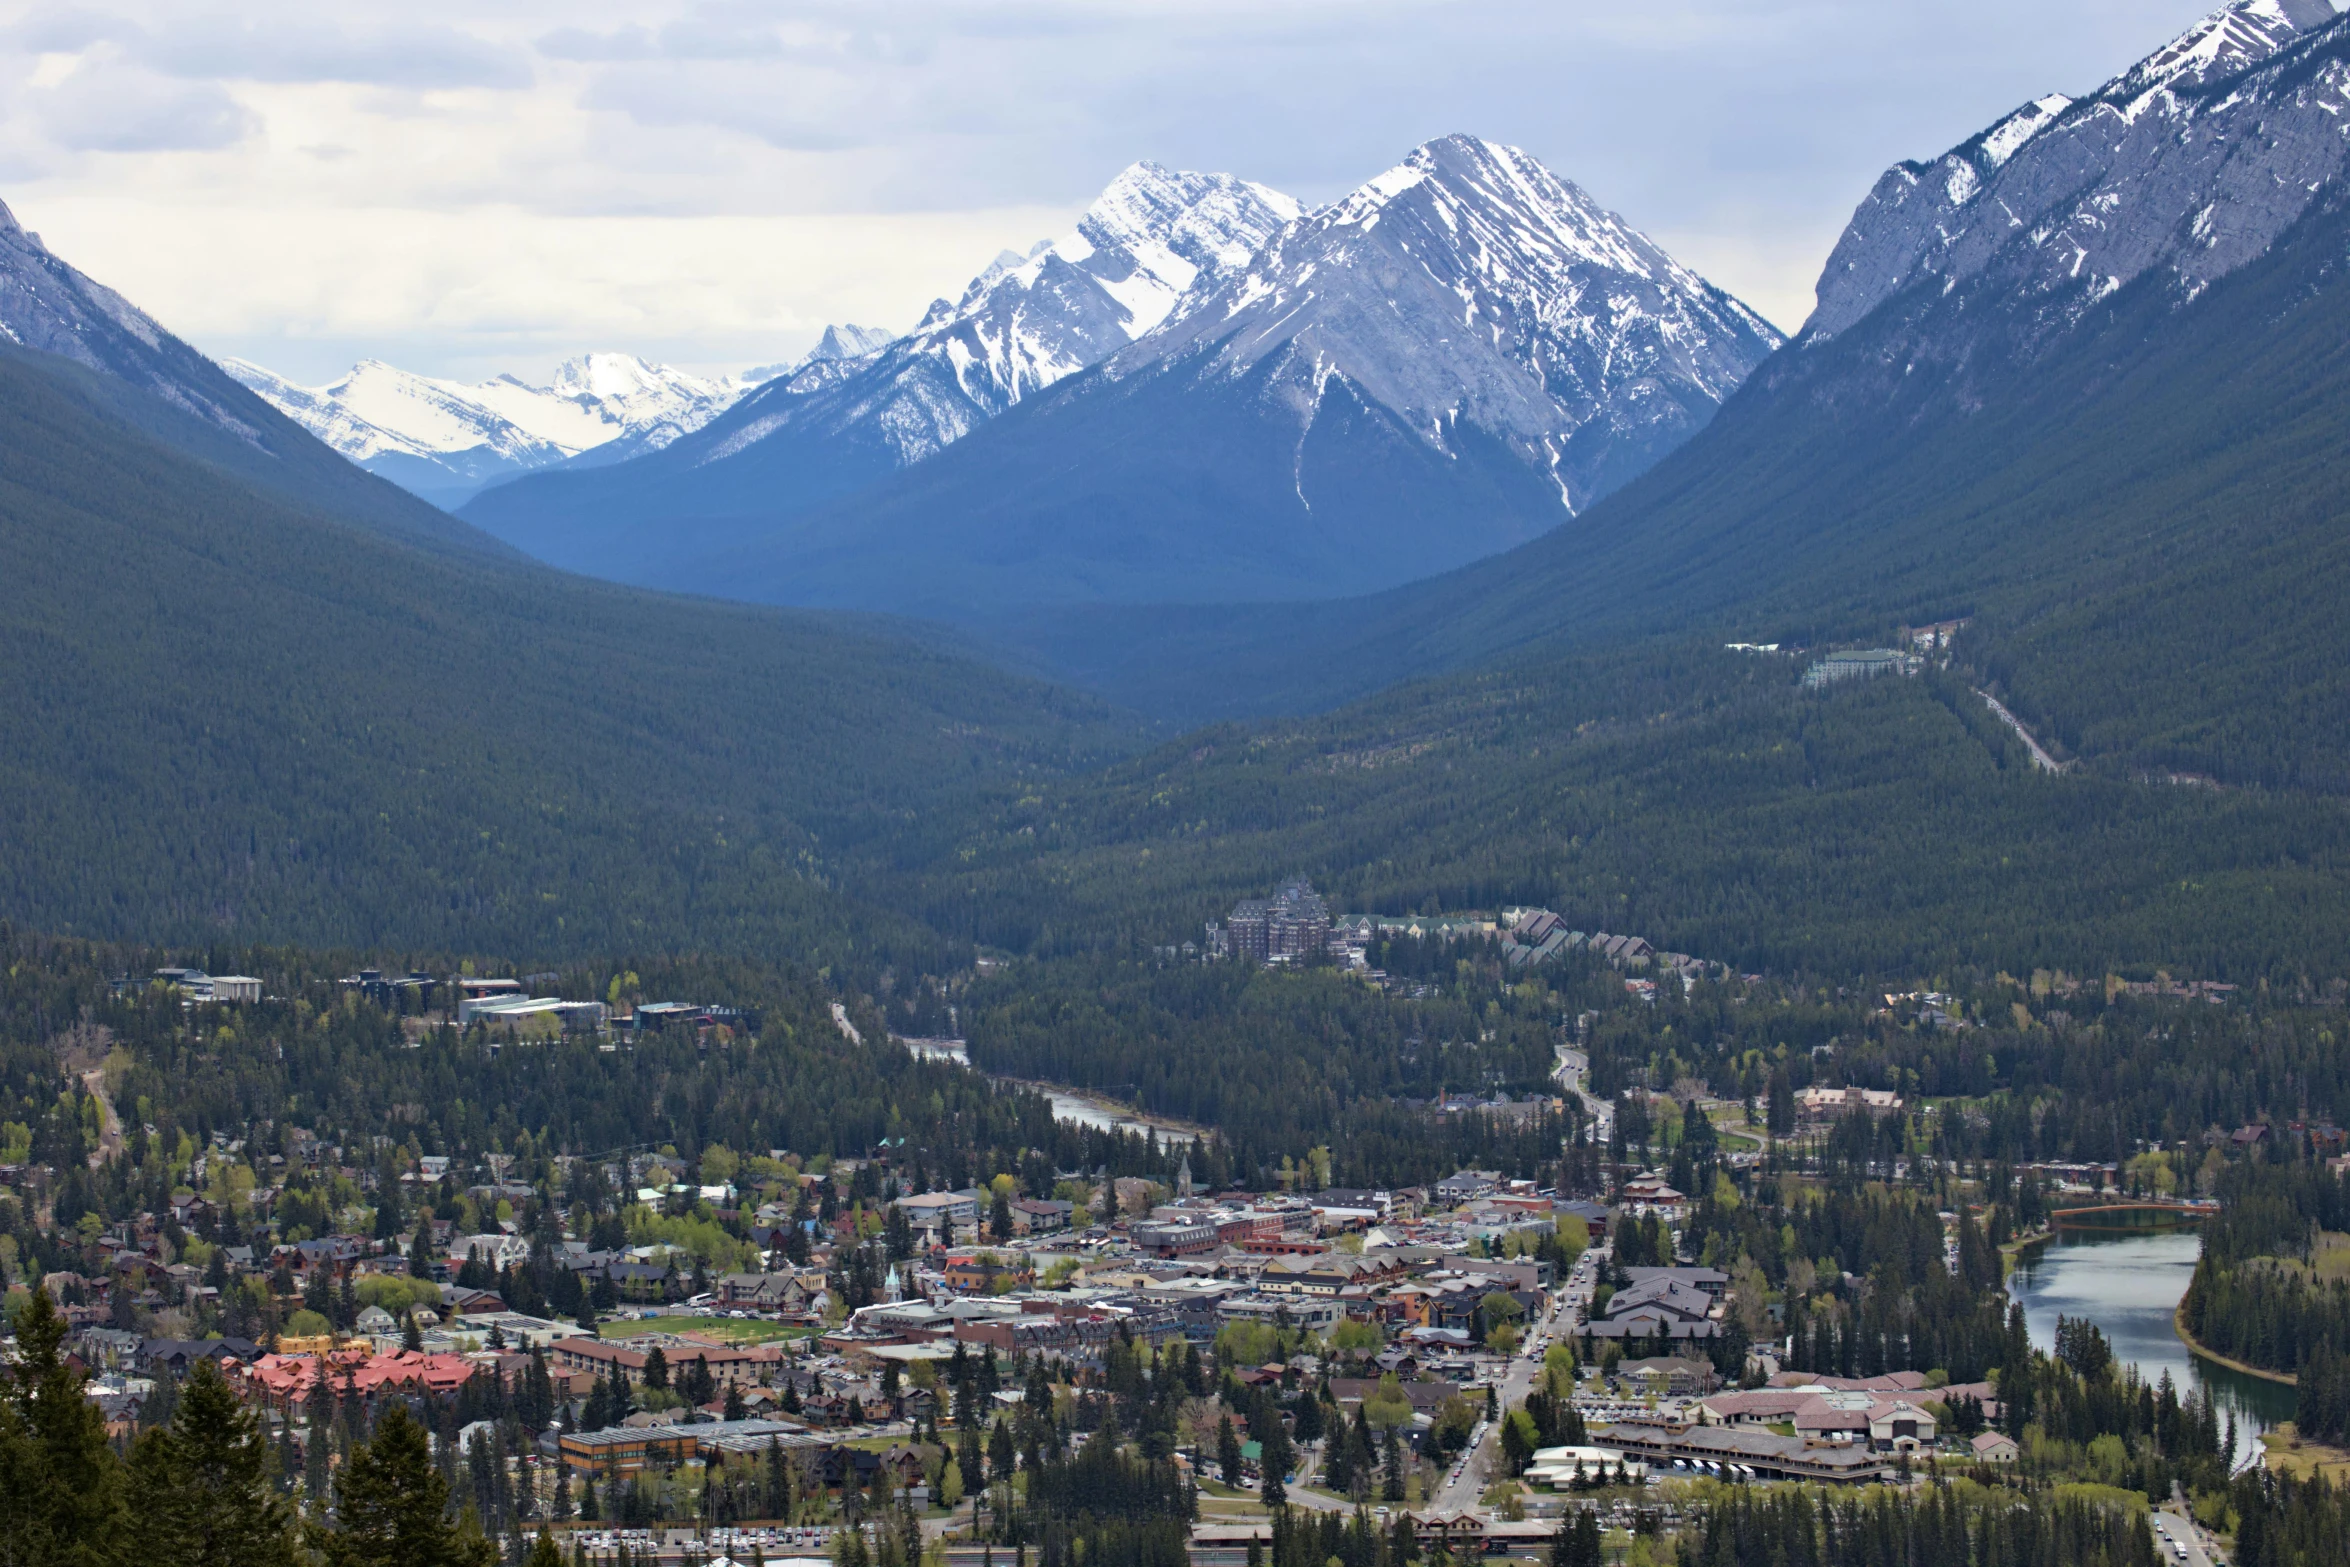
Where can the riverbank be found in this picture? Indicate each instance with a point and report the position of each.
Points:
(2284, 1452)
(2012, 1253)
(2178, 1322)
(2131, 1287)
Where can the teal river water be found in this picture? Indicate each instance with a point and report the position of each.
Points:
(2129, 1285)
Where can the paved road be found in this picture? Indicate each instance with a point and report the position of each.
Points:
(1465, 1482)
(2173, 1527)
(1572, 1064)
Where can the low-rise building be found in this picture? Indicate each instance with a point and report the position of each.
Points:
(1745, 1453)
(624, 1450)
(627, 1362)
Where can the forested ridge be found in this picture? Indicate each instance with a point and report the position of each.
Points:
(238, 718)
(1691, 795)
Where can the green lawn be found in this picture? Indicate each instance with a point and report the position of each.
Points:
(734, 1331)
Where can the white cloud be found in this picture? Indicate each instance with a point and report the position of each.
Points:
(128, 110)
(452, 182)
(490, 289)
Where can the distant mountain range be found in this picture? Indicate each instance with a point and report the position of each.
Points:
(446, 441)
(832, 429)
(1240, 401)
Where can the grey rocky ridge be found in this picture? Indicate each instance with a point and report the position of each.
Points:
(49, 305)
(847, 420)
(2180, 170)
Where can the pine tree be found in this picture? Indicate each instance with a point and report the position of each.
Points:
(968, 1459)
(999, 1451)
(1228, 1456)
(61, 1486)
(391, 1507)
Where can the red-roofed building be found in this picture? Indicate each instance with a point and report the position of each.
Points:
(286, 1379)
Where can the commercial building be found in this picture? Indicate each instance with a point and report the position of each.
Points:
(1743, 1453)
(623, 1450)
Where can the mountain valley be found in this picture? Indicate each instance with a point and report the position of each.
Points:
(1359, 884)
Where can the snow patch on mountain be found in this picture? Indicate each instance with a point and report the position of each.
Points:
(444, 438)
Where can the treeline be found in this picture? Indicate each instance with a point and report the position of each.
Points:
(1278, 1059)
(1945, 1525)
(2053, 1068)
(2255, 1296)
(1909, 1311)
(2102, 1418)
(204, 1489)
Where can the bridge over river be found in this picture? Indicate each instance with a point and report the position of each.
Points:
(2147, 1216)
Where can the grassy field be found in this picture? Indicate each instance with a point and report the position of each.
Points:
(730, 1329)
(2287, 1454)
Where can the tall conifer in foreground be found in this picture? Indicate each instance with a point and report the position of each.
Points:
(200, 1488)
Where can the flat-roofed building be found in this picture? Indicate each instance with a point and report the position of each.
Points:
(624, 1450)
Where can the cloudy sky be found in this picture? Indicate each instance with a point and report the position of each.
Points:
(464, 189)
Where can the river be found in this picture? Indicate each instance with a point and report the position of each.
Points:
(2129, 1285)
(1069, 1104)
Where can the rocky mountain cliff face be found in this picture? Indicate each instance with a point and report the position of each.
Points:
(1029, 321)
(1469, 285)
(48, 305)
(2178, 171)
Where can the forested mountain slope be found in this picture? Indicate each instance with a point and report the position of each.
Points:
(232, 717)
(1691, 795)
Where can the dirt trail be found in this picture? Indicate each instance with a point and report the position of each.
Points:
(109, 1123)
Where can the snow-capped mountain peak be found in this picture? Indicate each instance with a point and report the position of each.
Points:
(1449, 360)
(2229, 40)
(2188, 163)
(1469, 283)
(1025, 322)
(445, 439)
